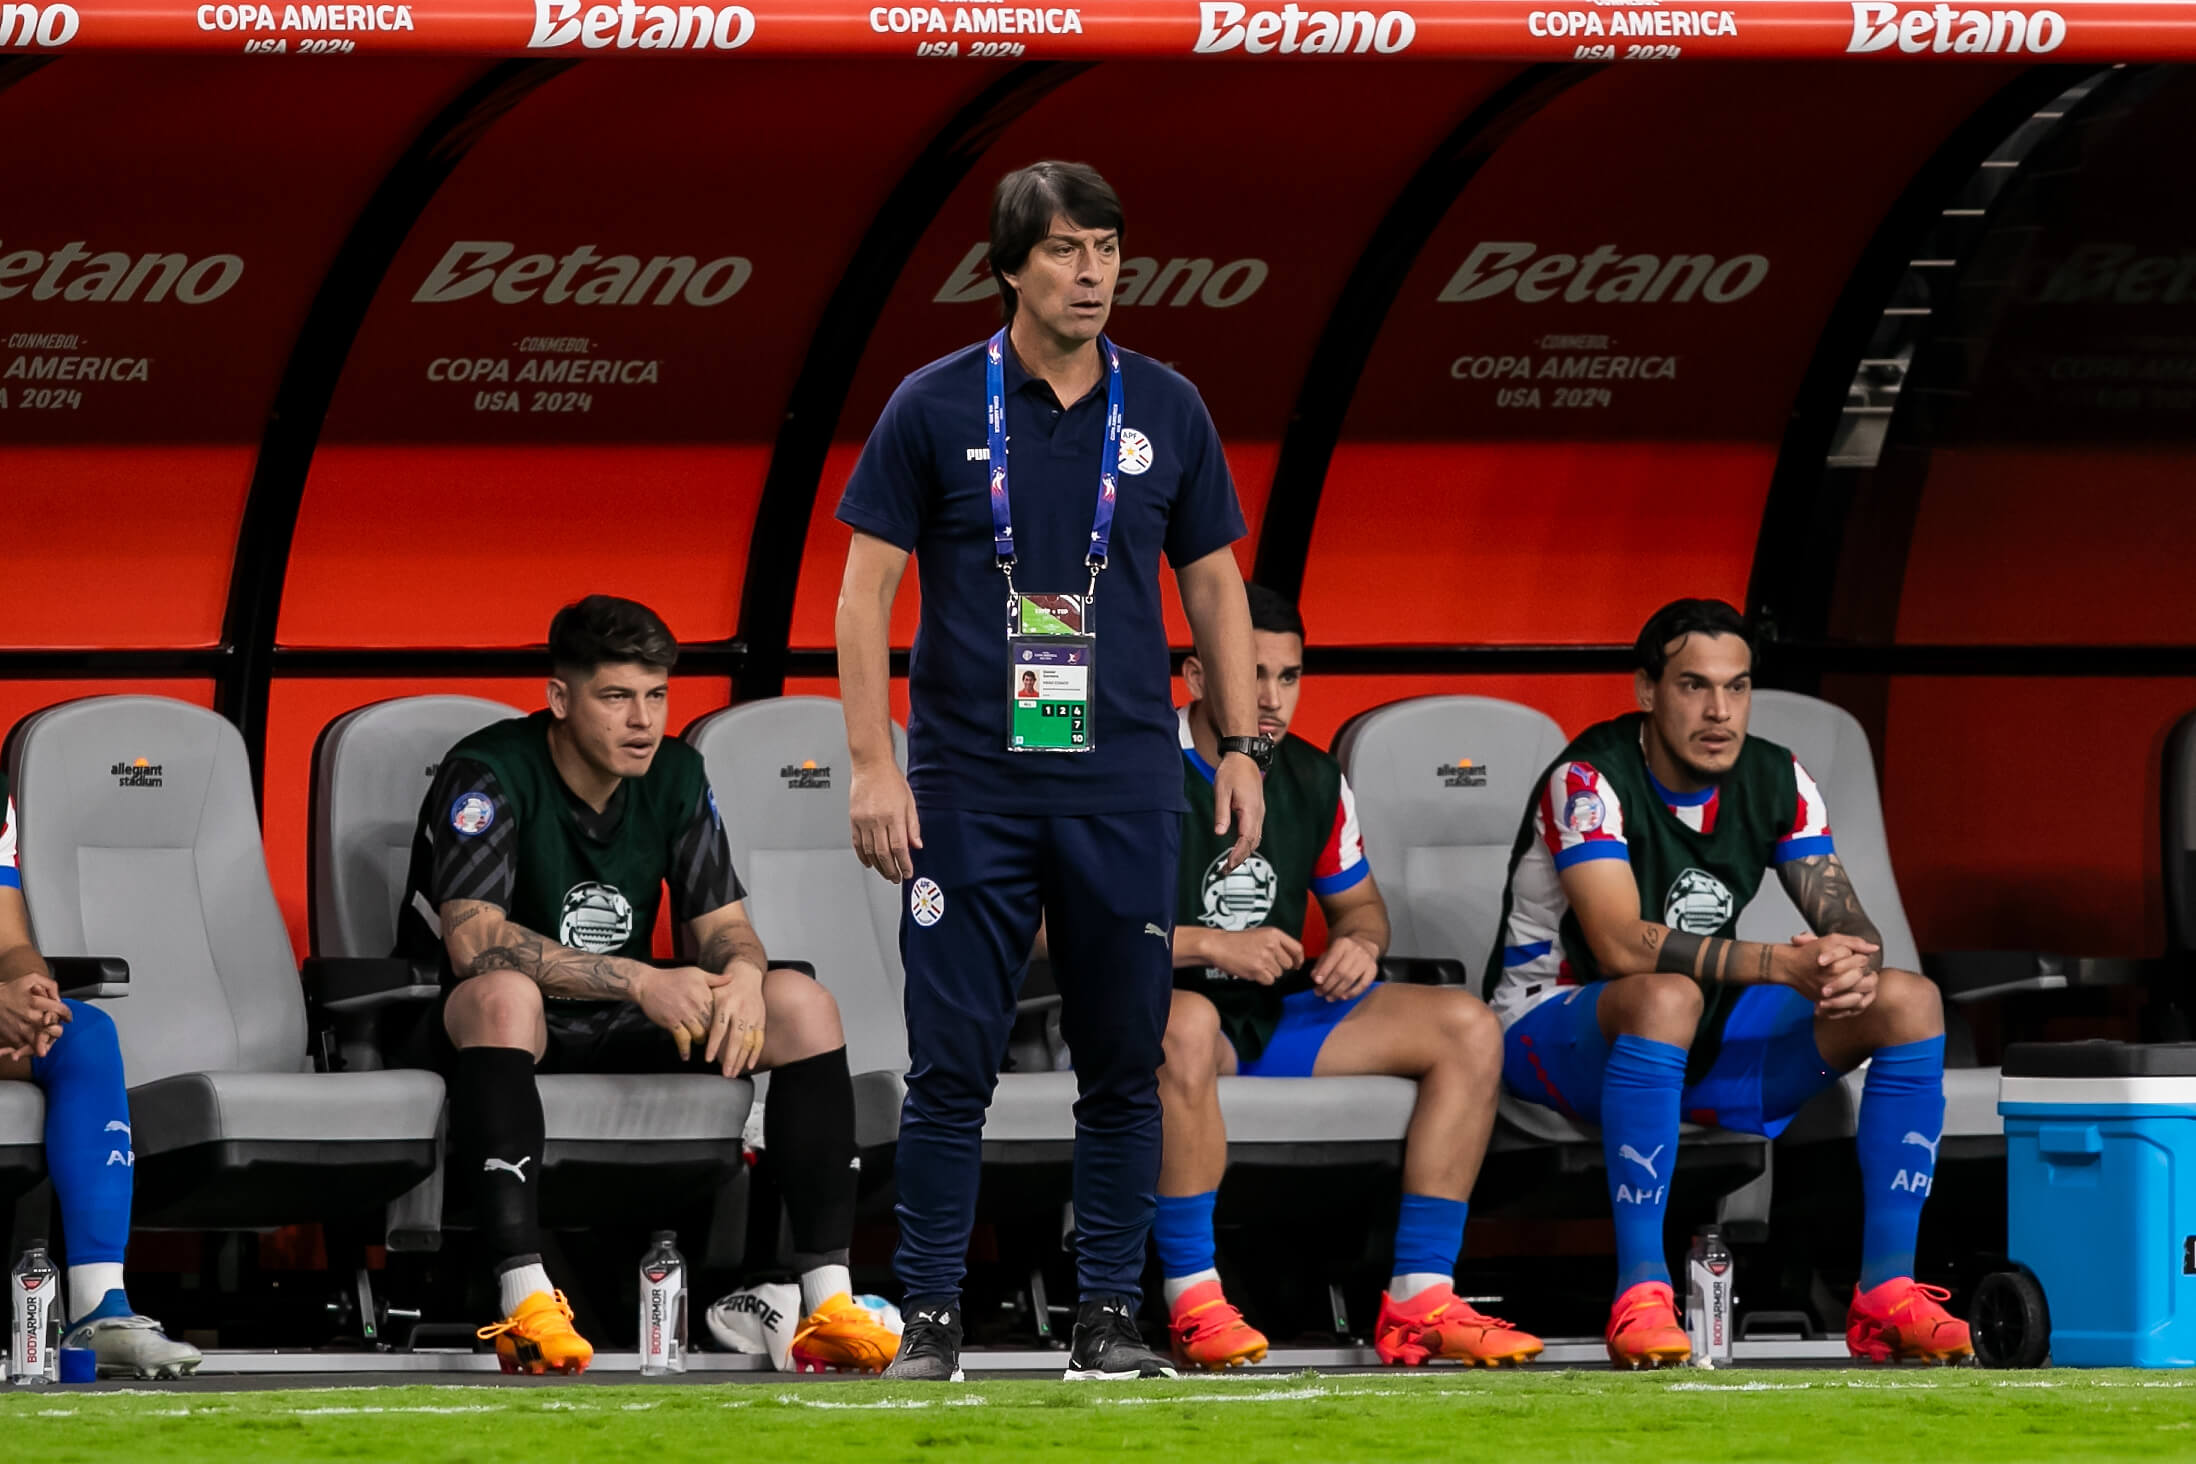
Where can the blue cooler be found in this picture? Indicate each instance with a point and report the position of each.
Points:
(2100, 1177)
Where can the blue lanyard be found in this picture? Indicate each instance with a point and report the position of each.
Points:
(1109, 457)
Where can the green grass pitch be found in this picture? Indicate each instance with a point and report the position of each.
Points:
(1539, 1416)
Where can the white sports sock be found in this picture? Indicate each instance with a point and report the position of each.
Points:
(520, 1282)
(823, 1283)
(1403, 1288)
(1176, 1285)
(89, 1285)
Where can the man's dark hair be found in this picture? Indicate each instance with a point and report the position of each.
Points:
(1022, 209)
(1274, 612)
(600, 629)
(1681, 618)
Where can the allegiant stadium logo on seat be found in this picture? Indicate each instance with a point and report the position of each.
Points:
(627, 26)
(473, 266)
(1878, 25)
(1223, 25)
(37, 25)
(138, 772)
(1604, 274)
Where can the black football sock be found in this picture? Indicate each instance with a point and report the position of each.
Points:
(808, 1135)
(496, 1138)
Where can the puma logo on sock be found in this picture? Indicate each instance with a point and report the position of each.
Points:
(1929, 1144)
(117, 1126)
(1644, 1161)
(518, 1170)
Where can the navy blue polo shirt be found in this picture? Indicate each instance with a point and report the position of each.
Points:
(923, 485)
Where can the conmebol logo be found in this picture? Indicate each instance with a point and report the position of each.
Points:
(628, 26)
(1604, 274)
(37, 25)
(1223, 25)
(1878, 25)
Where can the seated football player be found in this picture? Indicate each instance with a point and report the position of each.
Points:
(1626, 1000)
(543, 850)
(1244, 1003)
(71, 1051)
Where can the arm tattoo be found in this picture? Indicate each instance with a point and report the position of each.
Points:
(557, 970)
(1705, 958)
(729, 944)
(1824, 893)
(462, 911)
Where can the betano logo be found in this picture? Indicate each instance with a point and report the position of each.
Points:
(1878, 25)
(37, 25)
(1223, 25)
(1144, 281)
(113, 276)
(2114, 272)
(471, 266)
(627, 26)
(1500, 268)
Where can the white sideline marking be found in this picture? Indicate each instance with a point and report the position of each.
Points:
(406, 1408)
(1739, 1387)
(795, 1401)
(1281, 1395)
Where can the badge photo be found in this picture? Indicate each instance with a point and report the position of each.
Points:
(926, 902)
(472, 814)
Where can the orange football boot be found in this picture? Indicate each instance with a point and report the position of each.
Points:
(1439, 1324)
(1903, 1321)
(842, 1337)
(1644, 1331)
(1210, 1334)
(538, 1337)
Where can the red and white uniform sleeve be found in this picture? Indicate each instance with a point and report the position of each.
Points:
(1810, 831)
(1579, 816)
(10, 877)
(1341, 864)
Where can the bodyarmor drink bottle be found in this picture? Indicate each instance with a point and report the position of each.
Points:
(663, 1307)
(34, 1339)
(1710, 1297)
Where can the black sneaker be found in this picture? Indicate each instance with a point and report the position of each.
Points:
(1108, 1347)
(930, 1346)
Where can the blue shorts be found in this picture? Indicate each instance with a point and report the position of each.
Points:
(1555, 1053)
(1306, 1019)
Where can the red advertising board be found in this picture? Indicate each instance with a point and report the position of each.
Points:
(1576, 404)
(572, 377)
(1254, 30)
(153, 279)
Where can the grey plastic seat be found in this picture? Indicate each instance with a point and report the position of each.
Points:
(140, 840)
(611, 1138)
(779, 768)
(1831, 744)
(1442, 783)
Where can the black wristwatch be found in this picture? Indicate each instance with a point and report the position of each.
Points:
(1258, 749)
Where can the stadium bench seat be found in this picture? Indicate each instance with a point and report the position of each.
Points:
(617, 1144)
(1831, 744)
(140, 841)
(780, 768)
(1441, 783)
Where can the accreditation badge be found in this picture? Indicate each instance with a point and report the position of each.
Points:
(1052, 664)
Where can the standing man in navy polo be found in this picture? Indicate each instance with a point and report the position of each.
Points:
(1038, 477)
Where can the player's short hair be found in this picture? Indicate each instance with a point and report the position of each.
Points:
(1681, 618)
(1022, 208)
(601, 629)
(1274, 612)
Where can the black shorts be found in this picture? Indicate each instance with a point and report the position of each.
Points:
(587, 1037)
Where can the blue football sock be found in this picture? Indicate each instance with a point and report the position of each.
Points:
(1639, 1134)
(114, 1304)
(1793, 1071)
(1182, 1226)
(1901, 1120)
(88, 1149)
(1429, 1234)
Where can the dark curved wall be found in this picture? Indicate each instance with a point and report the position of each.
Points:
(1335, 229)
